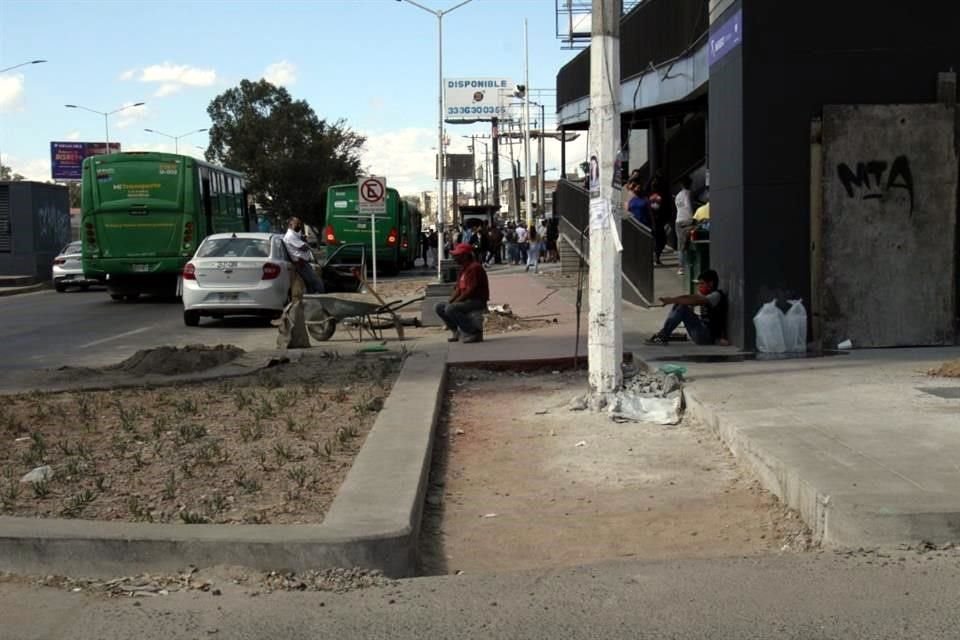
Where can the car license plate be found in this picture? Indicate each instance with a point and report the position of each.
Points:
(140, 268)
(229, 297)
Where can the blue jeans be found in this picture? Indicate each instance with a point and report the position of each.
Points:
(310, 278)
(699, 333)
(456, 315)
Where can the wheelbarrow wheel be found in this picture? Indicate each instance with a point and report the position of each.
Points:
(321, 325)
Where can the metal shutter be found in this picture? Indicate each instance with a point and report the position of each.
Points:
(6, 235)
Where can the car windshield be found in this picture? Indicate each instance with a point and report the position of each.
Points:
(73, 247)
(234, 248)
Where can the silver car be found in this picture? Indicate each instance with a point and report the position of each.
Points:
(237, 274)
(68, 269)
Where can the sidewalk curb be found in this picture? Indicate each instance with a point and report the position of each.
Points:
(373, 523)
(33, 288)
(845, 519)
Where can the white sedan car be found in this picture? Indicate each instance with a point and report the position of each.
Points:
(237, 274)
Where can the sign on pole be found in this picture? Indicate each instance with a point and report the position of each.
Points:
(372, 199)
(472, 99)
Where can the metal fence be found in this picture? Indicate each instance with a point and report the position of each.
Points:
(572, 203)
(655, 32)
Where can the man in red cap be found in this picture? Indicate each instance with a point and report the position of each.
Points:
(470, 295)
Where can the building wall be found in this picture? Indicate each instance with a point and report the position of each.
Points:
(40, 227)
(888, 225)
(795, 58)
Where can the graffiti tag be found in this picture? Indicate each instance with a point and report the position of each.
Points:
(869, 178)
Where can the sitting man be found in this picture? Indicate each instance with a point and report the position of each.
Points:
(470, 295)
(710, 327)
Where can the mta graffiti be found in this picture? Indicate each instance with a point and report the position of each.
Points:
(869, 178)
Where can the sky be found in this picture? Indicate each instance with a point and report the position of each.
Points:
(370, 62)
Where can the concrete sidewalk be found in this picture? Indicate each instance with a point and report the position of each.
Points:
(864, 445)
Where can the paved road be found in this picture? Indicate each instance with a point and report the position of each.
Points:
(791, 597)
(48, 329)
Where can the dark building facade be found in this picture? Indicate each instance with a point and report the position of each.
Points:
(765, 87)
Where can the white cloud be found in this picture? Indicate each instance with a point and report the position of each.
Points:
(11, 91)
(167, 89)
(128, 74)
(130, 116)
(30, 168)
(73, 135)
(281, 73)
(404, 156)
(178, 74)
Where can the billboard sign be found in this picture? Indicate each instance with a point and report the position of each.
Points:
(471, 99)
(456, 166)
(66, 158)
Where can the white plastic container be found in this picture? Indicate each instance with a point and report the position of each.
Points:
(769, 326)
(795, 327)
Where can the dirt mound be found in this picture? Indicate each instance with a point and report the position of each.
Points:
(171, 361)
(947, 370)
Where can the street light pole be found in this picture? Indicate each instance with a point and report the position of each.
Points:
(526, 121)
(440, 155)
(176, 139)
(22, 64)
(106, 115)
(17, 66)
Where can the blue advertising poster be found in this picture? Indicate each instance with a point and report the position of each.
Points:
(725, 38)
(66, 158)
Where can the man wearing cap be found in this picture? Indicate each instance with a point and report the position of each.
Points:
(470, 295)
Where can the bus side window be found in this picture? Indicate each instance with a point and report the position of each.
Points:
(205, 198)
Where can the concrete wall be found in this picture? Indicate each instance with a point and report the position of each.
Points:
(889, 222)
(40, 226)
(795, 58)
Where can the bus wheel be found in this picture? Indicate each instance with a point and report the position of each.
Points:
(191, 318)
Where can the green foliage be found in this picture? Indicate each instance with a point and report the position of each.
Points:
(289, 154)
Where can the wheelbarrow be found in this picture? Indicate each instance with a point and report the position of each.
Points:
(323, 311)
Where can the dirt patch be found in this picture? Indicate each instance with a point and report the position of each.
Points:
(500, 322)
(272, 447)
(171, 361)
(520, 482)
(947, 370)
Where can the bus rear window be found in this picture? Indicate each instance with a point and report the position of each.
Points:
(234, 248)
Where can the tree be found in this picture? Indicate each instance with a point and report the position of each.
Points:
(6, 173)
(289, 155)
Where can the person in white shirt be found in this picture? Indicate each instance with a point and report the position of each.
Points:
(685, 221)
(301, 255)
(522, 244)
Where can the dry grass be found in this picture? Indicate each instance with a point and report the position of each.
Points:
(269, 448)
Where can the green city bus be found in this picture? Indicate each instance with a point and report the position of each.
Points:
(144, 213)
(398, 230)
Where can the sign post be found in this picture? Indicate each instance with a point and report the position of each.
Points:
(372, 199)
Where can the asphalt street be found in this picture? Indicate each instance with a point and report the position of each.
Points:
(49, 329)
(805, 597)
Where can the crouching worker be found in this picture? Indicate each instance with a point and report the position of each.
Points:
(710, 327)
(469, 296)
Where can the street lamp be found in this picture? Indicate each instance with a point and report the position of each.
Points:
(22, 64)
(438, 13)
(176, 139)
(106, 115)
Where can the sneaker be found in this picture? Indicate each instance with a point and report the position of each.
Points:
(473, 337)
(657, 339)
(454, 337)
(679, 272)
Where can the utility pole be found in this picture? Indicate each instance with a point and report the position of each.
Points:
(605, 329)
(542, 195)
(495, 135)
(526, 121)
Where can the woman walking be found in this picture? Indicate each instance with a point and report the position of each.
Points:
(533, 253)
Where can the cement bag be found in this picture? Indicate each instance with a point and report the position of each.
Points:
(769, 326)
(795, 327)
